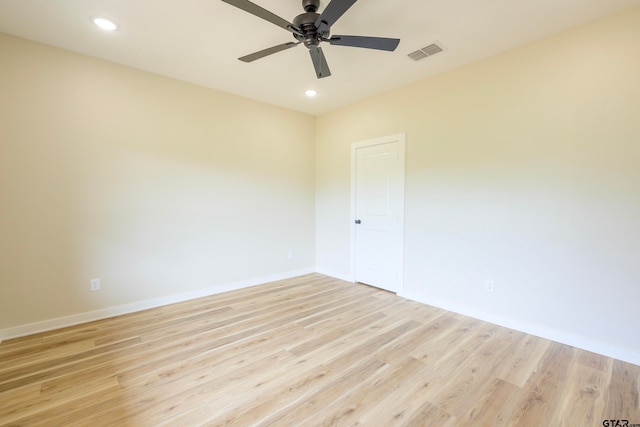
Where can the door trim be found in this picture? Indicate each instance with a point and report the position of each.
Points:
(400, 139)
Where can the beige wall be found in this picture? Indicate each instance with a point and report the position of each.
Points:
(155, 186)
(524, 169)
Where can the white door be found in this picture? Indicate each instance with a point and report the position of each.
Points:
(379, 212)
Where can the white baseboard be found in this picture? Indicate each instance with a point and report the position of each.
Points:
(76, 319)
(556, 335)
(529, 328)
(345, 277)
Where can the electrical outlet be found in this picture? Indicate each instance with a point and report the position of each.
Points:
(95, 284)
(489, 286)
(290, 255)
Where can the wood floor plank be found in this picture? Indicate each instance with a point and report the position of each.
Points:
(52, 399)
(344, 311)
(404, 403)
(264, 398)
(408, 345)
(317, 401)
(464, 385)
(522, 360)
(623, 394)
(61, 352)
(541, 395)
(334, 334)
(486, 409)
(311, 350)
(430, 415)
(16, 396)
(582, 400)
(363, 350)
(404, 400)
(45, 370)
(155, 405)
(361, 400)
(442, 334)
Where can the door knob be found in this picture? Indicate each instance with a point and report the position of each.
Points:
(358, 221)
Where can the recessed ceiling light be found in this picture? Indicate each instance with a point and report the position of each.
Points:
(311, 93)
(105, 24)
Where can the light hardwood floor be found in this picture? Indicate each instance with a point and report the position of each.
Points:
(302, 352)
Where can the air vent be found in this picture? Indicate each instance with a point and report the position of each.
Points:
(417, 55)
(425, 52)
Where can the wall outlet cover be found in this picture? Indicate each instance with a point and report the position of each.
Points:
(489, 286)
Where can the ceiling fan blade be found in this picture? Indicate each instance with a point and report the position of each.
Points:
(256, 10)
(269, 51)
(319, 62)
(379, 43)
(332, 13)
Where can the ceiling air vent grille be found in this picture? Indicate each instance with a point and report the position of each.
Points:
(425, 52)
(417, 55)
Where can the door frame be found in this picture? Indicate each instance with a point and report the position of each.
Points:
(400, 139)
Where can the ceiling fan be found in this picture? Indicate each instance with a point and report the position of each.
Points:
(312, 28)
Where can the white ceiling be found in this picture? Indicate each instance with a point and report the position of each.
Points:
(199, 41)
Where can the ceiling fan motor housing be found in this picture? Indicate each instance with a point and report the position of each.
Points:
(307, 23)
